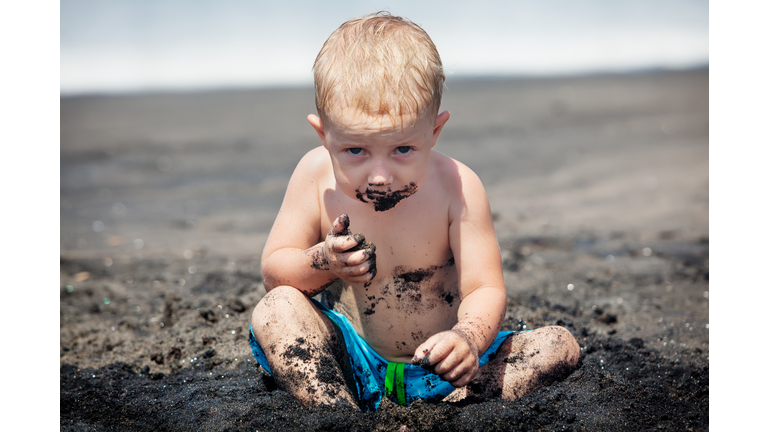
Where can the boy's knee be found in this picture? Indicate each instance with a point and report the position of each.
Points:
(276, 303)
(562, 344)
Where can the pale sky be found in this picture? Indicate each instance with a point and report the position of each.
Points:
(120, 45)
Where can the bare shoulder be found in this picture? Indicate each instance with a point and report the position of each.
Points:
(314, 162)
(307, 177)
(463, 187)
(298, 221)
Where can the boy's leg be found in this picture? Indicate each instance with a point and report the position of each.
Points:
(524, 362)
(306, 353)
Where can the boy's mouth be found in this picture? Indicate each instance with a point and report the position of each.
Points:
(383, 201)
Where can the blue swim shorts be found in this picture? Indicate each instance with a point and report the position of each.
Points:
(375, 377)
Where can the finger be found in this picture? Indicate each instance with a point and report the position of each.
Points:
(423, 351)
(357, 270)
(449, 364)
(356, 275)
(360, 239)
(355, 258)
(457, 351)
(441, 350)
(341, 244)
(465, 378)
(340, 225)
(455, 365)
(371, 249)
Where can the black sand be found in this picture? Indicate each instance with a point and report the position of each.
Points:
(599, 186)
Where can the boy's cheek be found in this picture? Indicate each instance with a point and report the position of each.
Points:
(348, 182)
(348, 189)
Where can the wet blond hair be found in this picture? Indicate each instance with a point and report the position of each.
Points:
(378, 64)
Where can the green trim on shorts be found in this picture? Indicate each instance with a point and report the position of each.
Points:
(394, 378)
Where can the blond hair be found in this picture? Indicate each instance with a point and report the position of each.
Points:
(378, 64)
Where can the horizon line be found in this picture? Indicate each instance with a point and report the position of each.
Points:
(194, 89)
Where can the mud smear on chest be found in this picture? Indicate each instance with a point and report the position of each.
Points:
(383, 201)
(374, 301)
(409, 287)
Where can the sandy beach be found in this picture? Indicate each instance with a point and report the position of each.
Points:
(599, 187)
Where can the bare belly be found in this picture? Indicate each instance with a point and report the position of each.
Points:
(401, 310)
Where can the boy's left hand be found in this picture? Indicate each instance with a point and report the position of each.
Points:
(450, 355)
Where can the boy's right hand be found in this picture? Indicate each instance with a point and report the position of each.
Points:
(349, 256)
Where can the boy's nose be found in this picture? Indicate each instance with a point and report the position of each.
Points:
(379, 176)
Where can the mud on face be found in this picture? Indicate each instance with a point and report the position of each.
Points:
(383, 201)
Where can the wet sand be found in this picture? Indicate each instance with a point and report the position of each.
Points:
(599, 189)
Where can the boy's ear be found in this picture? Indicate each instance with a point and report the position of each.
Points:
(317, 124)
(440, 121)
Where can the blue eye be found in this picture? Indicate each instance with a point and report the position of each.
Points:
(354, 150)
(404, 150)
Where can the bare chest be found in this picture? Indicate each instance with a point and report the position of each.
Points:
(415, 291)
(413, 235)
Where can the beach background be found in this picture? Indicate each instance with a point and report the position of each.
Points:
(597, 172)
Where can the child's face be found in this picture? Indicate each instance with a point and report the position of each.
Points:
(376, 161)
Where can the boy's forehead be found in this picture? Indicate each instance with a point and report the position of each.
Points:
(356, 122)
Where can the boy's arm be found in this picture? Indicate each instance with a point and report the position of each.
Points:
(294, 254)
(454, 354)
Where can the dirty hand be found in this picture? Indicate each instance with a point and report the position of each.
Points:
(349, 256)
(450, 355)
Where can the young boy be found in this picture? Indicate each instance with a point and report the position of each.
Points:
(399, 240)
